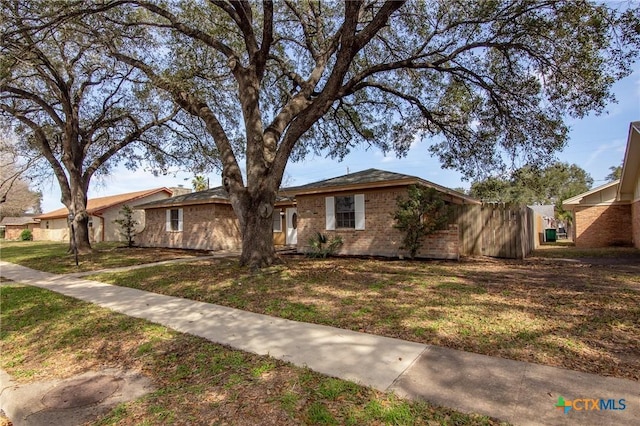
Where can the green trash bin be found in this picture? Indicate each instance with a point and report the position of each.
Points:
(550, 235)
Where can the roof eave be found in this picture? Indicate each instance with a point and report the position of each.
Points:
(574, 201)
(387, 184)
(182, 203)
(631, 163)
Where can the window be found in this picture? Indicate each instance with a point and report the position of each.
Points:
(277, 221)
(345, 212)
(174, 220)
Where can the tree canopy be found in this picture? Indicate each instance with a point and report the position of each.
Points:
(16, 196)
(529, 185)
(616, 173)
(72, 104)
(199, 183)
(485, 82)
(18, 173)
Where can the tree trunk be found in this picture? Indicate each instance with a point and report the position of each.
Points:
(257, 242)
(78, 206)
(257, 231)
(81, 225)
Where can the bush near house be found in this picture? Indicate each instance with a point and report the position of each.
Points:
(322, 246)
(26, 235)
(127, 224)
(423, 213)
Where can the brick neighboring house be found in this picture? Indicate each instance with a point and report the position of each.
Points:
(358, 207)
(102, 213)
(609, 215)
(202, 220)
(13, 226)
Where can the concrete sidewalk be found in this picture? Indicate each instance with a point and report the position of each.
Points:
(518, 392)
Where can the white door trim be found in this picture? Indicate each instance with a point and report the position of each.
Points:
(292, 228)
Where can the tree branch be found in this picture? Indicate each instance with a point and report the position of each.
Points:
(35, 98)
(189, 31)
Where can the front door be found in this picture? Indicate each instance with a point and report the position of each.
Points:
(292, 226)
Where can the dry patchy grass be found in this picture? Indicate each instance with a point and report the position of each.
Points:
(567, 314)
(45, 335)
(54, 257)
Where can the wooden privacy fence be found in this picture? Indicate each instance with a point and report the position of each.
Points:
(495, 229)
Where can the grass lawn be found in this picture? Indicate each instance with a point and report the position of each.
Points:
(45, 335)
(549, 309)
(578, 316)
(565, 251)
(54, 257)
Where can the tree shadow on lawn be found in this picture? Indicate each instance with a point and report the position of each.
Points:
(197, 382)
(574, 316)
(577, 317)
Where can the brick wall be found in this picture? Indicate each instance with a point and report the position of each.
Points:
(379, 238)
(205, 227)
(603, 226)
(111, 231)
(12, 232)
(635, 223)
(41, 234)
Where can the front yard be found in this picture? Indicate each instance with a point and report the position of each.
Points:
(55, 257)
(549, 309)
(566, 314)
(45, 335)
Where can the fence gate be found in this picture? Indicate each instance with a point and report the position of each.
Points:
(495, 229)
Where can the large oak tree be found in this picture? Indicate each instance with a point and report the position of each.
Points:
(486, 82)
(72, 104)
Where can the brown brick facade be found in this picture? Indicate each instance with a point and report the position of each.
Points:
(635, 223)
(205, 227)
(379, 238)
(12, 232)
(603, 226)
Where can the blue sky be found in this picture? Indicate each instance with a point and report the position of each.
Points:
(595, 144)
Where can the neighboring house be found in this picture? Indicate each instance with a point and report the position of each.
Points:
(609, 215)
(103, 211)
(358, 207)
(201, 220)
(13, 226)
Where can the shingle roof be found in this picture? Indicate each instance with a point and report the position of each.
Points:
(19, 220)
(365, 178)
(357, 178)
(96, 205)
(212, 195)
(370, 178)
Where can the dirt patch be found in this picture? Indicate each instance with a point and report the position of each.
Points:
(82, 392)
(71, 401)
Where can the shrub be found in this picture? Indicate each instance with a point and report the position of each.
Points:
(322, 247)
(421, 214)
(127, 224)
(26, 235)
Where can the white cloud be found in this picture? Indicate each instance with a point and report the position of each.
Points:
(616, 145)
